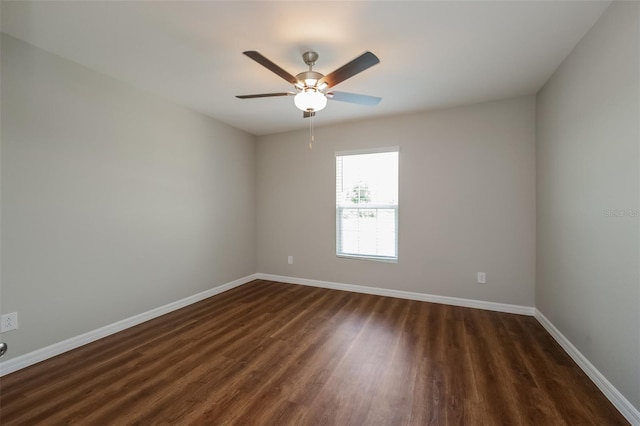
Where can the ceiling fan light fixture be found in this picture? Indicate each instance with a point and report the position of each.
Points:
(310, 100)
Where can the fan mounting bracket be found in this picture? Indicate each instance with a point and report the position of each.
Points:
(310, 58)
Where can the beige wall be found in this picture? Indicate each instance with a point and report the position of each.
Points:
(588, 185)
(467, 202)
(114, 202)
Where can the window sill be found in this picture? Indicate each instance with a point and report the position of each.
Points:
(369, 258)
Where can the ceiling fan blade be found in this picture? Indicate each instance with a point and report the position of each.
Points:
(265, 95)
(354, 98)
(307, 114)
(270, 66)
(359, 64)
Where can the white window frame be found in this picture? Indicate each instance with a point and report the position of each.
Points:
(339, 209)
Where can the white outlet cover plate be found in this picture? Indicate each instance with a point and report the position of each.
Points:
(8, 322)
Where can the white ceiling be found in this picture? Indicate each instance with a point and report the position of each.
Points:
(433, 54)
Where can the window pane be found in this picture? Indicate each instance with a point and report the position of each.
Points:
(368, 232)
(375, 175)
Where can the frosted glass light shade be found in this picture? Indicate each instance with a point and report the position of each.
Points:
(310, 100)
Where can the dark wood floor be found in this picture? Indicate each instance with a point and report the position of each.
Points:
(279, 354)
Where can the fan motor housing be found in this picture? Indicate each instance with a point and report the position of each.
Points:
(305, 76)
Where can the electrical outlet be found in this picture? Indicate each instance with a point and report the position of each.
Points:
(482, 278)
(8, 322)
(290, 260)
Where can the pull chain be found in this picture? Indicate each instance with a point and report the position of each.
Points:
(311, 132)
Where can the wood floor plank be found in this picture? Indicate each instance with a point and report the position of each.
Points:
(268, 353)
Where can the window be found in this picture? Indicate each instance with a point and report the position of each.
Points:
(367, 204)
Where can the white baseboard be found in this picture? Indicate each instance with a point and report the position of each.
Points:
(617, 399)
(22, 361)
(423, 297)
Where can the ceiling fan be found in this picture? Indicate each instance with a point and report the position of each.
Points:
(311, 86)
